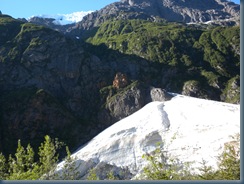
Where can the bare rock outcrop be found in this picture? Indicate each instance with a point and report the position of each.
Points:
(221, 12)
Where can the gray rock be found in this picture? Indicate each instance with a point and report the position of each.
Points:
(103, 169)
(158, 94)
(129, 100)
(220, 12)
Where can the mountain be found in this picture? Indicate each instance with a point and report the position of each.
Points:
(75, 85)
(208, 12)
(188, 129)
(73, 89)
(63, 19)
(221, 12)
(51, 84)
(60, 22)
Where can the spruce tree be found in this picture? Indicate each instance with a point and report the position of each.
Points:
(70, 168)
(3, 167)
(48, 157)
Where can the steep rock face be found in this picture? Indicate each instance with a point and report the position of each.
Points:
(38, 58)
(124, 102)
(30, 114)
(187, 11)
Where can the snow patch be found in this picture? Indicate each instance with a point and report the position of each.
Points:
(190, 129)
(63, 19)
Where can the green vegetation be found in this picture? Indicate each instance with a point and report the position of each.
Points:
(17, 36)
(208, 56)
(70, 168)
(22, 166)
(9, 28)
(29, 27)
(156, 42)
(231, 93)
(163, 167)
(92, 175)
(171, 42)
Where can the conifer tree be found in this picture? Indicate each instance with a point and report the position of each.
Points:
(70, 169)
(111, 176)
(3, 167)
(92, 175)
(48, 157)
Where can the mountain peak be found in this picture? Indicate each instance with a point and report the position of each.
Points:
(221, 12)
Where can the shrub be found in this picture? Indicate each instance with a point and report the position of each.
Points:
(22, 166)
(163, 167)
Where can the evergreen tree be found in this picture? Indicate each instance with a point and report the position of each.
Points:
(3, 167)
(207, 172)
(48, 157)
(92, 175)
(229, 165)
(70, 169)
(22, 166)
(111, 176)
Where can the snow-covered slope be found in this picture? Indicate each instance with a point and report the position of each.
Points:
(63, 19)
(193, 129)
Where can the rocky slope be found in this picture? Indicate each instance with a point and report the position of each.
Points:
(50, 22)
(210, 12)
(50, 83)
(221, 12)
(190, 58)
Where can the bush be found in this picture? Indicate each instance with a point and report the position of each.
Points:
(162, 167)
(22, 165)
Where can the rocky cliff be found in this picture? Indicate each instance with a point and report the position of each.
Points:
(50, 22)
(51, 85)
(221, 12)
(210, 12)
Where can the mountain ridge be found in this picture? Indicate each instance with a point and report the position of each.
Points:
(169, 10)
(87, 85)
(212, 12)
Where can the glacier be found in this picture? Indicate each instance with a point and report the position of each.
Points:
(64, 19)
(190, 129)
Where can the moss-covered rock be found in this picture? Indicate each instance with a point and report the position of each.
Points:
(231, 93)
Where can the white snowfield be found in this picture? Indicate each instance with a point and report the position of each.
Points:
(64, 19)
(192, 130)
